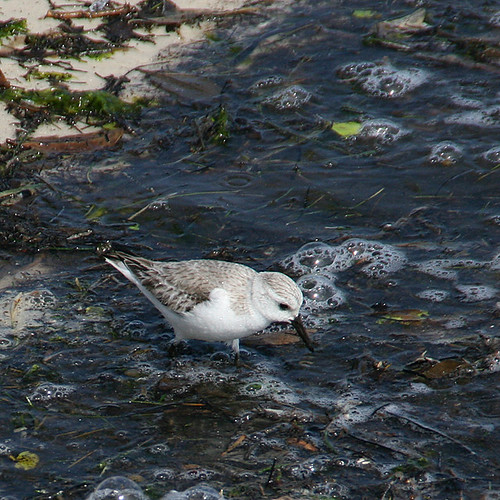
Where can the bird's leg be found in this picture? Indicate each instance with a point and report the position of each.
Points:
(235, 344)
(174, 349)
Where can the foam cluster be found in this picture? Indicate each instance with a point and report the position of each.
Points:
(382, 80)
(380, 131)
(117, 487)
(447, 268)
(476, 293)
(492, 155)
(379, 259)
(201, 491)
(445, 153)
(484, 117)
(319, 292)
(318, 263)
(291, 98)
(48, 392)
(266, 83)
(433, 295)
(268, 387)
(120, 487)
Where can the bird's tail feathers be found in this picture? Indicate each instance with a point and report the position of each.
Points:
(123, 268)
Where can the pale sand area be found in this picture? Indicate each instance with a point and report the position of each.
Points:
(89, 72)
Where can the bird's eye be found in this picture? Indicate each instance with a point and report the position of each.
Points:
(284, 307)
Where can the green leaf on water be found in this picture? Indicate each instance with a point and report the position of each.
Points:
(26, 460)
(346, 129)
(364, 13)
(95, 212)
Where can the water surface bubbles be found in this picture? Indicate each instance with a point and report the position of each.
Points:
(445, 153)
(476, 293)
(320, 293)
(6, 342)
(291, 98)
(51, 392)
(197, 474)
(267, 82)
(164, 475)
(309, 467)
(494, 264)
(267, 387)
(382, 80)
(456, 323)
(492, 155)
(485, 117)
(382, 259)
(117, 488)
(159, 449)
(5, 449)
(381, 131)
(318, 257)
(199, 492)
(439, 268)
(315, 255)
(434, 295)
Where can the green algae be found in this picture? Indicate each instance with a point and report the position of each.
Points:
(97, 104)
(12, 27)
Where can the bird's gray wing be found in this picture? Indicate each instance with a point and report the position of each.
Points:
(182, 285)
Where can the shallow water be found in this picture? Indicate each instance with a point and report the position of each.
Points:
(400, 398)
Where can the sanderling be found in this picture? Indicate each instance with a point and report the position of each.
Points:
(214, 300)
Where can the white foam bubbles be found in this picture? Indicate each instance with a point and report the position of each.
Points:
(309, 467)
(381, 259)
(266, 82)
(199, 492)
(321, 258)
(291, 98)
(476, 293)
(381, 131)
(320, 293)
(265, 387)
(492, 155)
(197, 474)
(318, 263)
(163, 475)
(382, 80)
(439, 268)
(48, 392)
(5, 448)
(117, 488)
(485, 117)
(445, 153)
(433, 295)
(318, 257)
(494, 264)
(447, 268)
(159, 449)
(26, 310)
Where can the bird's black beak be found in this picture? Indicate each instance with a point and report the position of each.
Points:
(299, 327)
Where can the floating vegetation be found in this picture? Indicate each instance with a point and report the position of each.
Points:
(214, 128)
(346, 129)
(93, 105)
(12, 27)
(51, 76)
(66, 45)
